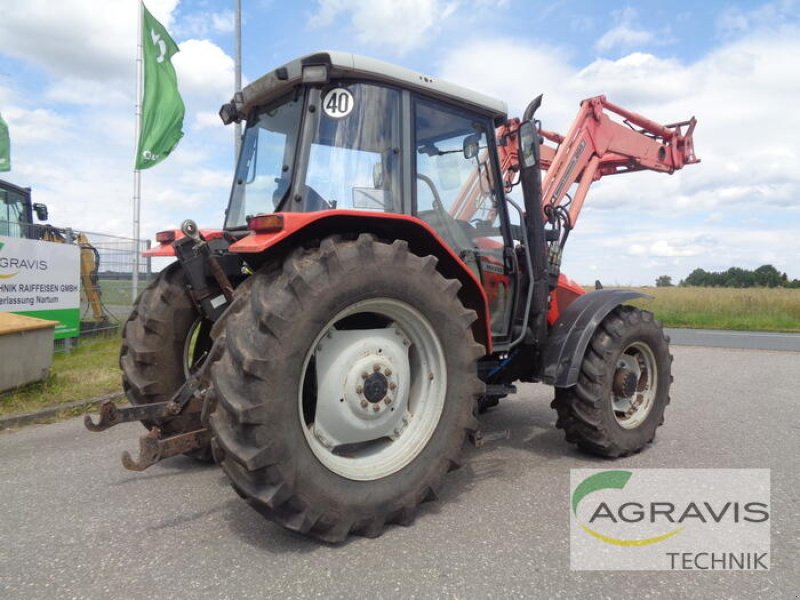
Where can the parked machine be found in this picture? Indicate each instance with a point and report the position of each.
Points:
(374, 287)
(16, 220)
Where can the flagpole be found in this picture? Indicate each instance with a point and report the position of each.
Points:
(237, 130)
(137, 174)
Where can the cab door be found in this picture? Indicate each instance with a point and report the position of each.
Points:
(456, 191)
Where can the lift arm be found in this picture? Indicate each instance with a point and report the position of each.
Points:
(597, 146)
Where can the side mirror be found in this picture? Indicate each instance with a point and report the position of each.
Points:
(41, 211)
(471, 146)
(528, 144)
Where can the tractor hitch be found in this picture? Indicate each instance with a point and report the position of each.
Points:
(111, 414)
(153, 448)
(189, 398)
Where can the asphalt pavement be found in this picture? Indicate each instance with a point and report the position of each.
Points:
(76, 525)
(746, 340)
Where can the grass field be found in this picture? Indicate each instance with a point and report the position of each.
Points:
(752, 309)
(118, 291)
(88, 371)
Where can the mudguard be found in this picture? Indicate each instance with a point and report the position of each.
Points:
(570, 335)
(298, 228)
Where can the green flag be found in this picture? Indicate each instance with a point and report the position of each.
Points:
(5, 147)
(162, 107)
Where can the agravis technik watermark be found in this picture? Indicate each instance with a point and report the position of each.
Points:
(670, 519)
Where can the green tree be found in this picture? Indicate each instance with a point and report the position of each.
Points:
(698, 278)
(768, 276)
(664, 281)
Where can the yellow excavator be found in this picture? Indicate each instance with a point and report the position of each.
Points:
(16, 220)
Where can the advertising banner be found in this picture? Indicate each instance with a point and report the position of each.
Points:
(41, 279)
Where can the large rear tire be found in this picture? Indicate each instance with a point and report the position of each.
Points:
(623, 387)
(346, 387)
(162, 342)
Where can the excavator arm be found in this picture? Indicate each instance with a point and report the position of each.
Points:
(90, 263)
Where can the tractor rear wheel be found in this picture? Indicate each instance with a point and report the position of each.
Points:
(346, 387)
(162, 342)
(623, 387)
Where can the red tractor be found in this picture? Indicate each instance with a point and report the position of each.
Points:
(374, 288)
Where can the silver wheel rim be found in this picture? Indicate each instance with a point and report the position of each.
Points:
(631, 406)
(380, 376)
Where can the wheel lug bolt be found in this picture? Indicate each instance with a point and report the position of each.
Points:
(393, 386)
(359, 389)
(364, 404)
(376, 367)
(364, 375)
(388, 401)
(376, 407)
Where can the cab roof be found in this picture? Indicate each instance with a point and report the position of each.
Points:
(346, 65)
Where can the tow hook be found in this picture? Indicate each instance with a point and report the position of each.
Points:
(190, 397)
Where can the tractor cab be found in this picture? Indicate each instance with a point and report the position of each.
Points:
(17, 212)
(335, 131)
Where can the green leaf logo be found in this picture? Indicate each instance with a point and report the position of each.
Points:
(615, 480)
(599, 481)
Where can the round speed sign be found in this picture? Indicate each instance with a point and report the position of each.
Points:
(338, 103)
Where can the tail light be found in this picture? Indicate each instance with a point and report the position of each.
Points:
(265, 223)
(165, 237)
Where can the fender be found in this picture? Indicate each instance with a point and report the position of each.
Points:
(422, 239)
(165, 248)
(570, 335)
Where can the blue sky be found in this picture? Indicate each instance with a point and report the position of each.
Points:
(67, 91)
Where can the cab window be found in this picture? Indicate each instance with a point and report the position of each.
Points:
(354, 159)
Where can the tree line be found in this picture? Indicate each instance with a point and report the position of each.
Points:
(735, 277)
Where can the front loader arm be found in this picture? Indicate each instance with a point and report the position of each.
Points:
(596, 146)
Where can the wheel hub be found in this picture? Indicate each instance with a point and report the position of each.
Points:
(625, 383)
(634, 385)
(361, 391)
(375, 387)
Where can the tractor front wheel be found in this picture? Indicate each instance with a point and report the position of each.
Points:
(346, 387)
(623, 387)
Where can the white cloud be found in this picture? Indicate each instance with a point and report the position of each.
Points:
(734, 21)
(200, 25)
(206, 120)
(205, 71)
(402, 25)
(31, 126)
(78, 38)
(669, 248)
(624, 34)
(534, 70)
(91, 92)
